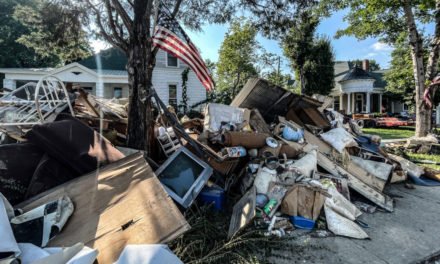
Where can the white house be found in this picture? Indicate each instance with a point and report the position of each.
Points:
(359, 90)
(104, 75)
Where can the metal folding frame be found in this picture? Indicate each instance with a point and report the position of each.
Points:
(48, 99)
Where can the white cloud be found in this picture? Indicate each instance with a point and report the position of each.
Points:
(380, 46)
(371, 55)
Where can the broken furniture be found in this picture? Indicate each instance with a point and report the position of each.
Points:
(34, 103)
(121, 203)
(168, 140)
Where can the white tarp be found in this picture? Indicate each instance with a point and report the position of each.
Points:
(8, 243)
(307, 164)
(151, 254)
(340, 214)
(215, 114)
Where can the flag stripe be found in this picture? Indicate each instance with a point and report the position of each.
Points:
(190, 54)
(191, 47)
(170, 37)
(178, 53)
(175, 44)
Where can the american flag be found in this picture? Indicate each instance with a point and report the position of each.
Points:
(169, 36)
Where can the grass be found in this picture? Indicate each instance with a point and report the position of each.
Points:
(390, 133)
(435, 158)
(207, 241)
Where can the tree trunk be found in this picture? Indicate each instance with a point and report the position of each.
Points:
(302, 81)
(139, 82)
(432, 66)
(416, 44)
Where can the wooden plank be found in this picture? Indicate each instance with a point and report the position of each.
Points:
(350, 166)
(356, 176)
(257, 122)
(119, 204)
(372, 194)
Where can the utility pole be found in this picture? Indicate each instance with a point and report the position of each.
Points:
(278, 71)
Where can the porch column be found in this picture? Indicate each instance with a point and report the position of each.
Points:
(10, 84)
(341, 101)
(99, 89)
(349, 103)
(353, 103)
(380, 103)
(368, 103)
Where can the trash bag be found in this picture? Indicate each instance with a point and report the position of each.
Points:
(339, 138)
(342, 226)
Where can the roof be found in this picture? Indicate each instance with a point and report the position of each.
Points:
(111, 72)
(26, 70)
(378, 76)
(44, 71)
(343, 68)
(110, 59)
(357, 73)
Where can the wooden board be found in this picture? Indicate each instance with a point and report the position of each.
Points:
(269, 99)
(257, 122)
(370, 193)
(119, 204)
(358, 179)
(273, 101)
(351, 167)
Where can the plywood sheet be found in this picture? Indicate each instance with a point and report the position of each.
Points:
(119, 204)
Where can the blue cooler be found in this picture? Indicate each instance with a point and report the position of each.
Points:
(213, 195)
(302, 222)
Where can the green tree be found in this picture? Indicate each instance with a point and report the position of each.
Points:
(53, 30)
(319, 68)
(388, 19)
(374, 66)
(400, 77)
(237, 55)
(310, 56)
(128, 24)
(12, 53)
(298, 44)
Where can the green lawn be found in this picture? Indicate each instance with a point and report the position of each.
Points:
(415, 156)
(391, 133)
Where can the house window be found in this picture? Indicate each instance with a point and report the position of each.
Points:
(117, 92)
(172, 61)
(336, 103)
(172, 95)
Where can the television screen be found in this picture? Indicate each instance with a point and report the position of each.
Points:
(181, 174)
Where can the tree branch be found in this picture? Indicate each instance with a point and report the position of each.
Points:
(123, 14)
(117, 35)
(104, 33)
(176, 8)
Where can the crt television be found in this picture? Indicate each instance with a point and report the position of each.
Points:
(183, 175)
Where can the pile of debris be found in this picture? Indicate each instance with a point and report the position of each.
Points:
(279, 160)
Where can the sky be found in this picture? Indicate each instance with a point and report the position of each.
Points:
(346, 48)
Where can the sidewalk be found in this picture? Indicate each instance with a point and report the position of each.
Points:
(409, 234)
